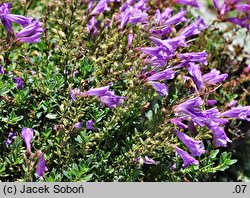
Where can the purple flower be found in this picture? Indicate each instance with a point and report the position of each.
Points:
(194, 146)
(1, 69)
(161, 88)
(106, 97)
(194, 28)
(243, 22)
(146, 160)
(101, 6)
(90, 125)
(195, 71)
(74, 93)
(179, 17)
(5, 10)
(178, 122)
(19, 82)
(27, 134)
(190, 107)
(219, 136)
(92, 26)
(213, 77)
(111, 101)
(188, 159)
(239, 112)
(232, 103)
(170, 44)
(160, 31)
(160, 18)
(200, 57)
(21, 20)
(137, 16)
(30, 33)
(165, 74)
(130, 39)
(193, 3)
(11, 137)
(133, 14)
(78, 125)
(41, 167)
(243, 7)
(98, 91)
(211, 102)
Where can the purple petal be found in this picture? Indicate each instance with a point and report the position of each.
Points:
(90, 125)
(41, 167)
(194, 146)
(188, 159)
(27, 135)
(161, 88)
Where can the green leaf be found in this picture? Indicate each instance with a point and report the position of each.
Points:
(51, 116)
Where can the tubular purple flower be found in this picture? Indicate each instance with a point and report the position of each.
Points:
(1, 69)
(194, 28)
(78, 125)
(138, 16)
(101, 6)
(160, 18)
(170, 44)
(211, 102)
(213, 77)
(22, 20)
(243, 22)
(178, 122)
(188, 159)
(41, 167)
(161, 88)
(90, 125)
(74, 93)
(27, 135)
(126, 5)
(200, 57)
(11, 137)
(216, 4)
(179, 17)
(195, 71)
(195, 146)
(4, 10)
(92, 26)
(130, 39)
(243, 7)
(146, 160)
(98, 91)
(232, 103)
(193, 3)
(239, 112)
(112, 101)
(30, 33)
(124, 18)
(166, 74)
(219, 136)
(153, 51)
(161, 31)
(19, 82)
(190, 107)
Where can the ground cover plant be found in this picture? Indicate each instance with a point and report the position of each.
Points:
(121, 90)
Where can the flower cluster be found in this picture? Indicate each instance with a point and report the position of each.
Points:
(234, 5)
(190, 111)
(107, 97)
(31, 28)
